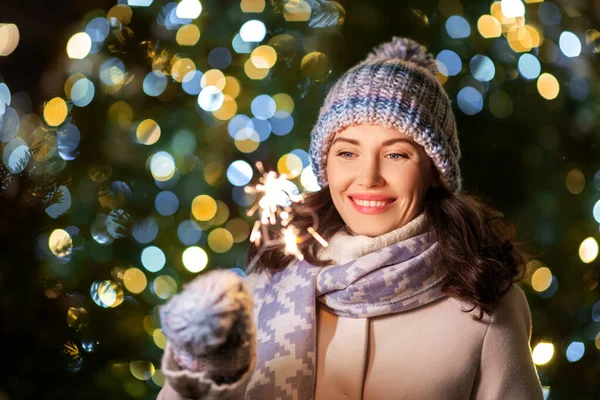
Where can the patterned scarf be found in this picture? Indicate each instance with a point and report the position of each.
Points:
(392, 279)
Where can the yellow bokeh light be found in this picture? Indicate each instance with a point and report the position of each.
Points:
(316, 66)
(441, 77)
(159, 338)
(255, 73)
(188, 35)
(134, 280)
(77, 318)
(60, 243)
(220, 240)
(79, 46)
(9, 38)
(194, 259)
(296, 11)
(227, 110)
(158, 378)
(55, 111)
(543, 353)
(597, 341)
(110, 293)
(284, 102)
(232, 87)
(44, 143)
(264, 56)
(239, 229)
(148, 325)
(164, 286)
(536, 36)
(575, 181)
(489, 27)
(141, 370)
(221, 215)
(520, 39)
(147, 132)
(246, 140)
(252, 6)
(588, 250)
(121, 114)
(548, 86)
(541, 279)
(204, 207)
(119, 14)
(182, 67)
(213, 77)
(290, 165)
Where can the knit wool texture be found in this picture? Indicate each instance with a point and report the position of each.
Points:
(394, 87)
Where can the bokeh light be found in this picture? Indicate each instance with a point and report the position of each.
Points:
(147, 132)
(204, 207)
(142, 370)
(188, 35)
(529, 66)
(134, 280)
(543, 353)
(79, 45)
(153, 258)
(162, 166)
(575, 351)
(588, 250)
(253, 31)
(194, 259)
(482, 68)
(470, 100)
(548, 86)
(458, 27)
(220, 240)
(55, 111)
(448, 63)
(239, 173)
(164, 286)
(9, 38)
(489, 27)
(541, 279)
(569, 44)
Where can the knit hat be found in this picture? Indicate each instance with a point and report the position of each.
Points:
(394, 87)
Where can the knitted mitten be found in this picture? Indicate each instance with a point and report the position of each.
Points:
(210, 325)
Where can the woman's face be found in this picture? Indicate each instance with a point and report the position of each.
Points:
(378, 178)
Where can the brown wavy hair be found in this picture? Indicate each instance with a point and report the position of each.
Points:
(475, 243)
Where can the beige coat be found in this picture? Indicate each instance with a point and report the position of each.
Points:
(436, 351)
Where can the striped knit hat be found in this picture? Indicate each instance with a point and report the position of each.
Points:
(395, 86)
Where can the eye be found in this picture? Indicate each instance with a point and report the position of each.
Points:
(399, 156)
(340, 154)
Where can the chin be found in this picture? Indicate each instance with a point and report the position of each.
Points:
(369, 232)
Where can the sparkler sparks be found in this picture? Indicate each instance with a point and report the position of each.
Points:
(276, 194)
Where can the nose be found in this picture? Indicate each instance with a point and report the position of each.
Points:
(369, 173)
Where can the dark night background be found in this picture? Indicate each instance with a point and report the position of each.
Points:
(519, 164)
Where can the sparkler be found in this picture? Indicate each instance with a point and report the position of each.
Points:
(276, 194)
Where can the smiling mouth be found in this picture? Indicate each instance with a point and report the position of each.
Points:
(371, 203)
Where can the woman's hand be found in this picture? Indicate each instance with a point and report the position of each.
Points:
(210, 325)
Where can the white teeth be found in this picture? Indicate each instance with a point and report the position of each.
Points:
(366, 203)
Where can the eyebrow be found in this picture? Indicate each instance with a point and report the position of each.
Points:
(386, 143)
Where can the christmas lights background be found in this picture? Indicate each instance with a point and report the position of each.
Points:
(129, 130)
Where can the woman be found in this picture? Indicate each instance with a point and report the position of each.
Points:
(413, 298)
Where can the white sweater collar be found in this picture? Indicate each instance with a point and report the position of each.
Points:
(345, 247)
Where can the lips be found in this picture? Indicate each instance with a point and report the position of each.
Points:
(378, 208)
